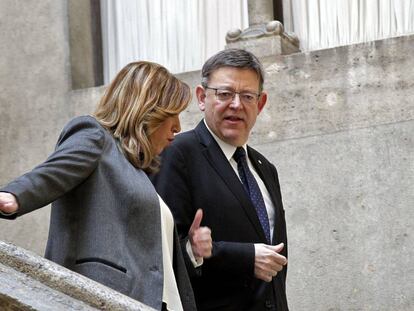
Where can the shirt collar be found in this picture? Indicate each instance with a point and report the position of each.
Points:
(227, 149)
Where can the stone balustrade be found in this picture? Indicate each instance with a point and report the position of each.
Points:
(31, 282)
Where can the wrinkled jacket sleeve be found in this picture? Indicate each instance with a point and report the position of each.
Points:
(77, 153)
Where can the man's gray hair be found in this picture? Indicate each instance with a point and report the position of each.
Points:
(232, 58)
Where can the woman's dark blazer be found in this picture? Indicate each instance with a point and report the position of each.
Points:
(105, 221)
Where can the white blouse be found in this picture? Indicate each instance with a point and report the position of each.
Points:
(170, 294)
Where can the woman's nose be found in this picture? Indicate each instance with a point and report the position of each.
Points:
(177, 125)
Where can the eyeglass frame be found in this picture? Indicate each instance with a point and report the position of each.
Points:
(234, 94)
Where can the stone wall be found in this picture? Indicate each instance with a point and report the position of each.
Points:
(338, 126)
(34, 80)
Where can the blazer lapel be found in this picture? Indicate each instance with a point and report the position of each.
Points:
(219, 162)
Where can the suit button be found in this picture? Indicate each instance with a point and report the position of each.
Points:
(269, 304)
(154, 268)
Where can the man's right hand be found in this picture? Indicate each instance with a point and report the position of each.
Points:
(200, 238)
(268, 262)
(8, 203)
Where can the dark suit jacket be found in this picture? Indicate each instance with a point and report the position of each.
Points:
(105, 221)
(196, 174)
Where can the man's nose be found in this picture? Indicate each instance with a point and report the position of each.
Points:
(236, 102)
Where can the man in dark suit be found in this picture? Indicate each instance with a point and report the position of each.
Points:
(207, 168)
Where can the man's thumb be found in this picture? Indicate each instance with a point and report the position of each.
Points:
(197, 220)
(278, 248)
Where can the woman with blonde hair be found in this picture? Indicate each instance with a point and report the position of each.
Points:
(107, 221)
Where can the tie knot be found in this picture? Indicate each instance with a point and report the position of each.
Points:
(239, 154)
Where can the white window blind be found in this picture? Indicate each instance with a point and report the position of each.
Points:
(328, 23)
(178, 34)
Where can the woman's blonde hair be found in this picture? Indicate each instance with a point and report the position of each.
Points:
(135, 104)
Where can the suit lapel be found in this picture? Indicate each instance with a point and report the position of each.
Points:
(219, 162)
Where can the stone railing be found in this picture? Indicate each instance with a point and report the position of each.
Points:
(30, 282)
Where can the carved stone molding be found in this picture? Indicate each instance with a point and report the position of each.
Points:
(264, 39)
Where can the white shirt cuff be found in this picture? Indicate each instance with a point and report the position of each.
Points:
(7, 214)
(196, 262)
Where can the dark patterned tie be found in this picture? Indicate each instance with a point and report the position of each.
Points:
(252, 188)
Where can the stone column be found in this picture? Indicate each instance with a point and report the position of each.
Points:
(85, 42)
(264, 36)
(260, 11)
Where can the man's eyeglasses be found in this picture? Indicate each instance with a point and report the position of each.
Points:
(225, 96)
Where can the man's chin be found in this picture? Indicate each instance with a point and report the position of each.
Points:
(234, 139)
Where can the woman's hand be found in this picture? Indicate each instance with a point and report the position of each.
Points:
(200, 237)
(8, 203)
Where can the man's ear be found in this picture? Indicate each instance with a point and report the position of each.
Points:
(201, 97)
(262, 101)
